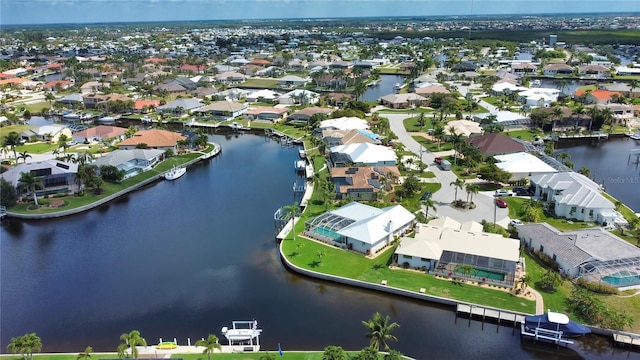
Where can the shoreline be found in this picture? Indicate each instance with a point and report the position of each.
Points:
(217, 149)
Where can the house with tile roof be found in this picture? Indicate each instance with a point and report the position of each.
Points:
(574, 196)
(359, 227)
(593, 253)
(58, 177)
(222, 110)
(97, 133)
(495, 144)
(440, 247)
(133, 161)
(363, 183)
(153, 139)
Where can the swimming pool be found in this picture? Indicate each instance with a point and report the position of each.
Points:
(622, 278)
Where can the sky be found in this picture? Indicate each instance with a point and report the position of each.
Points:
(92, 11)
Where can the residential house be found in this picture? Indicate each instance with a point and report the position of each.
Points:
(298, 96)
(292, 80)
(344, 137)
(444, 249)
(57, 177)
(153, 139)
(46, 133)
(132, 162)
(363, 183)
(98, 133)
(495, 144)
(362, 154)
(223, 110)
(523, 68)
(574, 196)
(273, 114)
(523, 165)
(304, 115)
(466, 128)
(598, 96)
(557, 69)
(359, 227)
(402, 101)
(594, 71)
(180, 106)
(594, 254)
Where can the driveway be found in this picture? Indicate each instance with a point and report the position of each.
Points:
(485, 205)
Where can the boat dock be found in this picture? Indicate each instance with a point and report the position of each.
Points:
(626, 340)
(543, 334)
(489, 314)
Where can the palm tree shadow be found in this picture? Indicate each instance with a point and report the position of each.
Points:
(314, 264)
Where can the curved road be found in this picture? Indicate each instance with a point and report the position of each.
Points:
(444, 197)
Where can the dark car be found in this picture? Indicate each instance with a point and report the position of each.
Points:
(501, 203)
(426, 195)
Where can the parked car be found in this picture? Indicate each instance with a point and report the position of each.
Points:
(426, 195)
(501, 203)
(503, 192)
(515, 222)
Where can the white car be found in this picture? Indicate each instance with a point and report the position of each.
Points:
(502, 192)
(515, 222)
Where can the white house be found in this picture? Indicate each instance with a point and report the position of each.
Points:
(575, 196)
(343, 123)
(441, 250)
(523, 165)
(538, 96)
(360, 227)
(304, 97)
(362, 154)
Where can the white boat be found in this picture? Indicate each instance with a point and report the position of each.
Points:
(107, 120)
(175, 173)
(243, 333)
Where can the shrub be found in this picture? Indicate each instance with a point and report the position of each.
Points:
(597, 288)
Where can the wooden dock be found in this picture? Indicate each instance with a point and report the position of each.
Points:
(487, 314)
(626, 340)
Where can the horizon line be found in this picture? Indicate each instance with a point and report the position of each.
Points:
(324, 18)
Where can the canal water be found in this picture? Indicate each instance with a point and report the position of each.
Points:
(612, 165)
(182, 259)
(386, 86)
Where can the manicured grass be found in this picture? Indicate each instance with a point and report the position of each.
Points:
(516, 205)
(37, 148)
(339, 262)
(260, 83)
(525, 134)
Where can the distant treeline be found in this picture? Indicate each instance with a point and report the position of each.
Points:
(589, 37)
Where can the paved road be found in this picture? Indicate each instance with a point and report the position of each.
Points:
(484, 201)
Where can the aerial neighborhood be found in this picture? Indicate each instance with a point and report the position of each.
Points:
(453, 169)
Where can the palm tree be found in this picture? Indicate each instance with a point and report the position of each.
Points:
(380, 331)
(458, 184)
(86, 355)
(24, 156)
(428, 203)
(31, 183)
(11, 140)
(472, 189)
(210, 345)
(131, 340)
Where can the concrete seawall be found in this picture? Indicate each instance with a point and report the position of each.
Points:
(58, 214)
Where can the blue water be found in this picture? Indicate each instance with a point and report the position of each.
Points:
(184, 258)
(386, 86)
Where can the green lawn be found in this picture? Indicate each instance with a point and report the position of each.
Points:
(343, 263)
